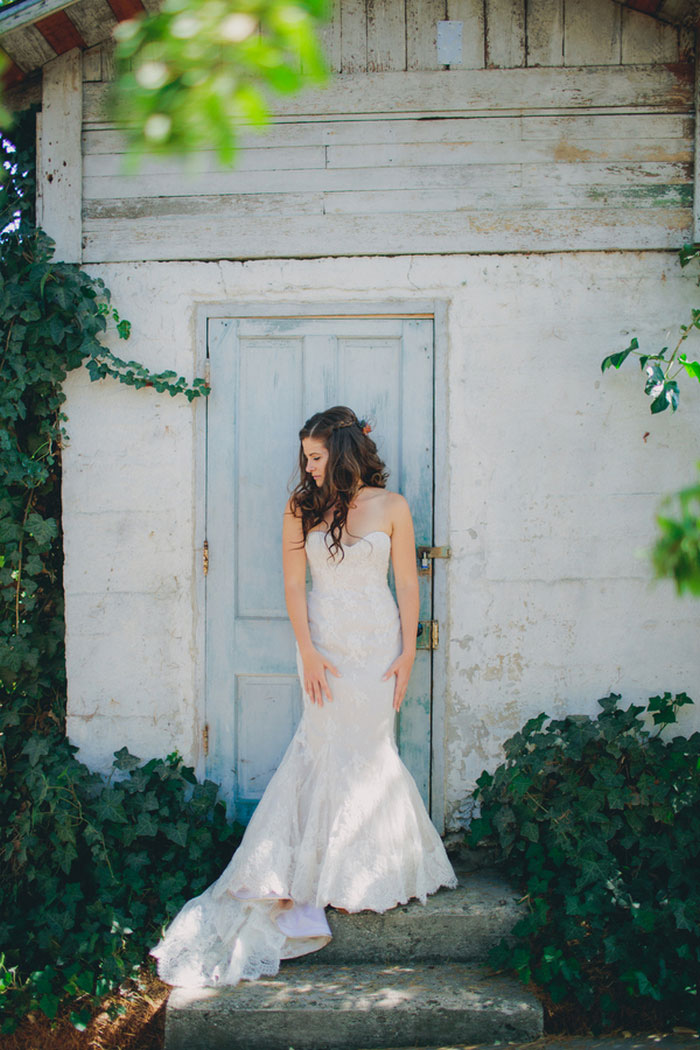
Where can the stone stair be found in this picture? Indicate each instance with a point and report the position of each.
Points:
(414, 976)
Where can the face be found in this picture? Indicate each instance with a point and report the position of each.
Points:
(316, 458)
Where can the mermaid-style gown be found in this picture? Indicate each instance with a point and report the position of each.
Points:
(341, 821)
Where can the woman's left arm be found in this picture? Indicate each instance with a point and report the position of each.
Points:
(403, 559)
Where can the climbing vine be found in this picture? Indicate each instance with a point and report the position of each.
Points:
(676, 551)
(89, 867)
(663, 368)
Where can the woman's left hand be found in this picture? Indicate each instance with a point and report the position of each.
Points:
(401, 667)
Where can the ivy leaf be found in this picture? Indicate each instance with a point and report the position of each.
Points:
(146, 825)
(124, 760)
(49, 1005)
(177, 833)
(80, 1019)
(691, 367)
(667, 396)
(655, 379)
(615, 360)
(36, 747)
(109, 807)
(688, 252)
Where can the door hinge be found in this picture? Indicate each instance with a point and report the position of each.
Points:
(207, 371)
(205, 557)
(205, 738)
(428, 634)
(427, 553)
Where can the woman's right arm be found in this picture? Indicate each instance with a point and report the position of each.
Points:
(294, 568)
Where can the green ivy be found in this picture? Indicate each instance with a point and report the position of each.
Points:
(90, 868)
(597, 820)
(676, 553)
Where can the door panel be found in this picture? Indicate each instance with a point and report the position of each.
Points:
(267, 376)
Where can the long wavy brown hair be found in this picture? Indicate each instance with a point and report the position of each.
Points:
(353, 461)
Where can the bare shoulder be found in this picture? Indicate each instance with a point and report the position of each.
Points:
(396, 509)
(397, 504)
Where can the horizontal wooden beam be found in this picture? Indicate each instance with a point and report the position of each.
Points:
(454, 92)
(261, 237)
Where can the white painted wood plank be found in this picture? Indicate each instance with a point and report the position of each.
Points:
(640, 127)
(545, 32)
(329, 35)
(568, 150)
(239, 205)
(27, 48)
(471, 14)
(422, 17)
(406, 166)
(401, 167)
(634, 172)
(108, 60)
(94, 20)
(686, 44)
(505, 33)
(92, 65)
(279, 198)
(353, 36)
(59, 168)
(637, 126)
(129, 202)
(543, 196)
(592, 33)
(465, 91)
(489, 231)
(644, 39)
(386, 35)
(280, 159)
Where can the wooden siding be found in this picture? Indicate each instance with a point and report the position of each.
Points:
(371, 36)
(379, 35)
(401, 155)
(451, 161)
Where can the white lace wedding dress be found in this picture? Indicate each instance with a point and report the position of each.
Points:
(341, 821)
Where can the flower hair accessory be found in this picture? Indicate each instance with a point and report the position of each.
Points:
(366, 428)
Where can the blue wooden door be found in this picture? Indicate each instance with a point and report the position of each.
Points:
(268, 375)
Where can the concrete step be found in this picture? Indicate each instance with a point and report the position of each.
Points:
(314, 1006)
(457, 925)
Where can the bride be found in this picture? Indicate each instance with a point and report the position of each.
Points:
(341, 822)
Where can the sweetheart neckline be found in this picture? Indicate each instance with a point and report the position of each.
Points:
(374, 532)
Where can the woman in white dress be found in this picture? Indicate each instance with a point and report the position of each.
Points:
(341, 822)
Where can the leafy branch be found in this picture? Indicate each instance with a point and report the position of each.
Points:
(662, 372)
(192, 72)
(676, 553)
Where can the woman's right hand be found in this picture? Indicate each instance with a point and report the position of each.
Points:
(315, 682)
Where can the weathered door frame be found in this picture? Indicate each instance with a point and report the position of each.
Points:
(279, 308)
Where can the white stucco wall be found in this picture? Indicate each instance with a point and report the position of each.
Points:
(552, 491)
